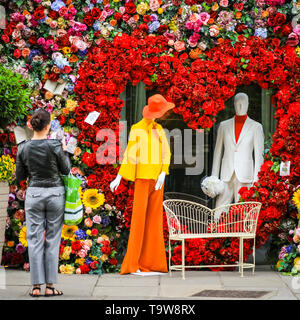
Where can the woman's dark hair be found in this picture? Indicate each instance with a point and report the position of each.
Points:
(40, 119)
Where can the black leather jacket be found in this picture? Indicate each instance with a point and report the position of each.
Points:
(42, 161)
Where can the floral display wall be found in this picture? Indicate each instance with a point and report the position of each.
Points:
(193, 52)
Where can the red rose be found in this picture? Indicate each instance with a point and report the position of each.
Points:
(118, 16)
(39, 13)
(17, 53)
(88, 19)
(67, 69)
(53, 14)
(130, 8)
(279, 19)
(94, 232)
(76, 245)
(95, 13)
(147, 18)
(113, 261)
(84, 269)
(5, 38)
(94, 265)
(238, 6)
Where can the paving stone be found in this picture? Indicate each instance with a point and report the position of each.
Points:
(292, 282)
(135, 281)
(126, 291)
(283, 294)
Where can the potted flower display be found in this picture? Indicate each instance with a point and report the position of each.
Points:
(14, 102)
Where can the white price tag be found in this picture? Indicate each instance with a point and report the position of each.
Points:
(285, 168)
(92, 117)
(72, 144)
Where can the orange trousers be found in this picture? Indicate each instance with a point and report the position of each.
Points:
(146, 248)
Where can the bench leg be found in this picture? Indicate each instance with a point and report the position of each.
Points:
(170, 271)
(183, 258)
(241, 255)
(253, 256)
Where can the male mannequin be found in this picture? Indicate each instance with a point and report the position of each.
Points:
(237, 139)
(146, 162)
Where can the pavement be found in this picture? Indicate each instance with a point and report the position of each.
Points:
(264, 284)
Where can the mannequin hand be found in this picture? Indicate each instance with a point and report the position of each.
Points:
(160, 180)
(115, 183)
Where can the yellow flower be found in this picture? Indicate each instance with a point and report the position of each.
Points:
(88, 232)
(297, 261)
(142, 8)
(71, 104)
(80, 261)
(104, 257)
(160, 10)
(22, 237)
(66, 269)
(66, 253)
(296, 198)
(93, 199)
(279, 263)
(94, 257)
(66, 50)
(68, 232)
(80, 192)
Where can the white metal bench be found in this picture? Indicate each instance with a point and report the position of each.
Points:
(190, 220)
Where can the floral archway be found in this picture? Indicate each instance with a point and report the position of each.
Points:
(199, 90)
(195, 52)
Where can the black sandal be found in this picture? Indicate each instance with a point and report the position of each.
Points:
(59, 293)
(33, 289)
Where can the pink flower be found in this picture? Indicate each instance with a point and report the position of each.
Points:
(78, 271)
(97, 219)
(189, 25)
(179, 46)
(26, 266)
(82, 253)
(88, 210)
(214, 30)
(224, 3)
(194, 17)
(204, 17)
(292, 40)
(88, 222)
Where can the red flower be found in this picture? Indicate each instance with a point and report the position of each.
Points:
(113, 261)
(17, 53)
(84, 269)
(76, 245)
(95, 13)
(39, 13)
(94, 265)
(130, 8)
(94, 232)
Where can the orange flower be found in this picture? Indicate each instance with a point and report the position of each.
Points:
(180, 11)
(72, 120)
(66, 50)
(238, 15)
(46, 76)
(136, 17)
(105, 2)
(65, 110)
(211, 21)
(25, 52)
(25, 13)
(77, 151)
(194, 54)
(160, 2)
(220, 40)
(215, 7)
(113, 22)
(48, 95)
(265, 14)
(73, 58)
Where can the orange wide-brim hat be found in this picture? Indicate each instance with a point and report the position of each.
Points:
(157, 106)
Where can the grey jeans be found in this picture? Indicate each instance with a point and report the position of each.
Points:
(44, 209)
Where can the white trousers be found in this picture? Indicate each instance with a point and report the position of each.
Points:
(231, 191)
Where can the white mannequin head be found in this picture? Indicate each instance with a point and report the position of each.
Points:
(241, 103)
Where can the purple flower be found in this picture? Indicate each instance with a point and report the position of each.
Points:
(11, 197)
(105, 221)
(80, 234)
(154, 26)
(153, 17)
(20, 248)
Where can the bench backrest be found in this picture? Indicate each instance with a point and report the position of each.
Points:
(187, 217)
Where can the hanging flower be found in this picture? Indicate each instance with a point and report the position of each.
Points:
(91, 198)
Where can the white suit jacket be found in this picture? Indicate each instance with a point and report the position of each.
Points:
(238, 157)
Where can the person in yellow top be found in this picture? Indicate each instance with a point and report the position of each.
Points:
(146, 162)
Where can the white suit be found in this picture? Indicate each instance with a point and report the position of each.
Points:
(238, 168)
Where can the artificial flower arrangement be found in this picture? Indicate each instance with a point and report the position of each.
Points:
(213, 46)
(289, 255)
(7, 168)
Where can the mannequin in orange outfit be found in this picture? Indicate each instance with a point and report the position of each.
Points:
(146, 162)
